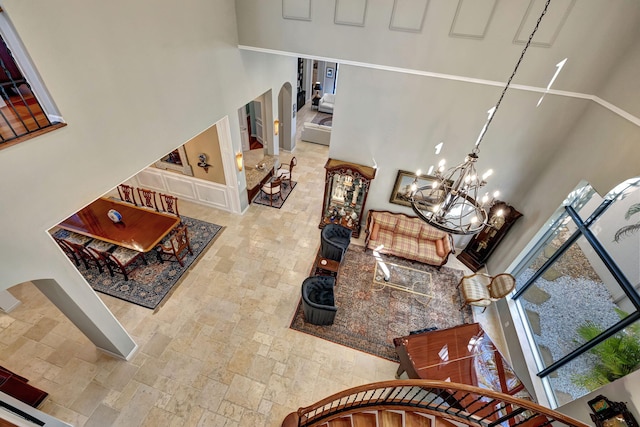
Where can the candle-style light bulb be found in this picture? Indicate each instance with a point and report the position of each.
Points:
(496, 194)
(487, 174)
(419, 172)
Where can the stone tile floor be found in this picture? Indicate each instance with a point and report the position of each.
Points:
(219, 352)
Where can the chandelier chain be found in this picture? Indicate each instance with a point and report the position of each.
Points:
(504, 91)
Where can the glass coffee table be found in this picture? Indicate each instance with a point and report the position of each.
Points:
(403, 278)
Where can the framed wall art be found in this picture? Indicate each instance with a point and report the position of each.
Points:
(402, 188)
(329, 72)
(176, 161)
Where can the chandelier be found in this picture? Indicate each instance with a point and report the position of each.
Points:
(451, 203)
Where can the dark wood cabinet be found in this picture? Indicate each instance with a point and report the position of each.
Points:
(610, 414)
(345, 194)
(301, 99)
(501, 218)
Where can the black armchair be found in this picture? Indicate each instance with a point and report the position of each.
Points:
(318, 302)
(334, 241)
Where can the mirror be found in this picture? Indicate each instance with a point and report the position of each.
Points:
(176, 160)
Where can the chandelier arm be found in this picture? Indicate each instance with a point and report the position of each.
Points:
(504, 91)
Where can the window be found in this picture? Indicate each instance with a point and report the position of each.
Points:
(577, 292)
(25, 106)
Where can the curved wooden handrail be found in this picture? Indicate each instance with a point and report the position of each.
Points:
(336, 405)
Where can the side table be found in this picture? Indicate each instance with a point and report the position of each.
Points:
(327, 267)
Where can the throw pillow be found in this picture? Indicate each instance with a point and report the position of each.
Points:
(440, 248)
(374, 232)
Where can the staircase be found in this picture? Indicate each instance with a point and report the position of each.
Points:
(425, 403)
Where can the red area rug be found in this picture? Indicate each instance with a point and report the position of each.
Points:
(370, 315)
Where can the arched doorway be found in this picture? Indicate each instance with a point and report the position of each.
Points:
(287, 118)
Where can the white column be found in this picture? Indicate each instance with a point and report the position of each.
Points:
(7, 301)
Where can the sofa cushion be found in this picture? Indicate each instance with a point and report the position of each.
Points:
(385, 239)
(431, 233)
(405, 246)
(386, 221)
(329, 97)
(427, 253)
(322, 296)
(409, 228)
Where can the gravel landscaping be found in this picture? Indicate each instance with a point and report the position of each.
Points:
(573, 301)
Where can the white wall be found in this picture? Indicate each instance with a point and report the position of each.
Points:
(625, 390)
(133, 81)
(593, 37)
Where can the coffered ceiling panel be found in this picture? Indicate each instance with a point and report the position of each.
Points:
(350, 12)
(408, 15)
(472, 18)
(550, 27)
(296, 9)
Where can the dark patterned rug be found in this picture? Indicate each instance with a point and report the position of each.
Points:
(149, 285)
(370, 315)
(262, 199)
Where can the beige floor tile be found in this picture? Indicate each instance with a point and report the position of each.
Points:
(219, 352)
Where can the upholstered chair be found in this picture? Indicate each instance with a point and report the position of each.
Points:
(318, 301)
(284, 172)
(177, 246)
(481, 289)
(121, 260)
(334, 241)
(272, 189)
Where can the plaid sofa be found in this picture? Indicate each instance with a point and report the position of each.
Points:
(407, 237)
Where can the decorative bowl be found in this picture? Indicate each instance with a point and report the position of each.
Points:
(114, 215)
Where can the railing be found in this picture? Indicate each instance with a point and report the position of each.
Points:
(20, 112)
(467, 404)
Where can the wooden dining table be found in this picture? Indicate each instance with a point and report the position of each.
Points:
(140, 229)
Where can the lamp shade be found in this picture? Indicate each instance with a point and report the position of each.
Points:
(317, 86)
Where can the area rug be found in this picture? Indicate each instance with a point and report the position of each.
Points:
(149, 285)
(262, 199)
(370, 315)
(323, 119)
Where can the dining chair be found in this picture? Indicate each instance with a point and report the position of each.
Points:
(176, 246)
(88, 258)
(272, 189)
(148, 198)
(169, 204)
(284, 171)
(68, 250)
(127, 193)
(120, 259)
(481, 289)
